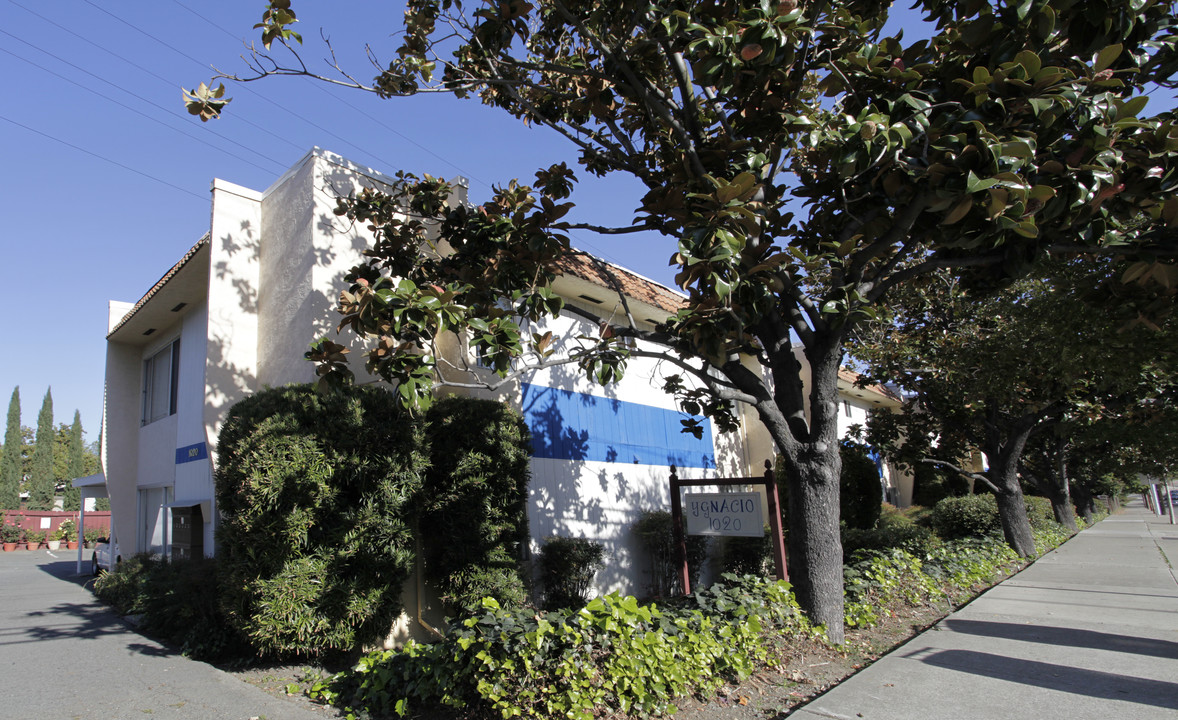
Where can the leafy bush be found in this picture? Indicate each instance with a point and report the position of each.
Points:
(860, 492)
(967, 516)
(614, 656)
(124, 589)
(931, 484)
(9, 532)
(473, 505)
(894, 530)
(656, 530)
(748, 555)
(567, 567)
(315, 493)
(1039, 512)
(178, 602)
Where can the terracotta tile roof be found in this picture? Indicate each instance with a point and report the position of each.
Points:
(162, 281)
(610, 276)
(852, 377)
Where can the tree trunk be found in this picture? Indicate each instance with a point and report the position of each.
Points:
(1061, 499)
(1012, 511)
(1084, 502)
(815, 548)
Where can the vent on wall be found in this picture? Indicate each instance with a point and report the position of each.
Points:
(148, 331)
(593, 300)
(179, 307)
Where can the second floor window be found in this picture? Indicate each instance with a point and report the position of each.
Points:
(161, 373)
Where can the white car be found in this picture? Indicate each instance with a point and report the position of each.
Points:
(104, 550)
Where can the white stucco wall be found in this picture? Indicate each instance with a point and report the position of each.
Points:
(231, 364)
(120, 435)
(306, 253)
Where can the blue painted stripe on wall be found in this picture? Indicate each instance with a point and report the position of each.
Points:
(570, 425)
(191, 453)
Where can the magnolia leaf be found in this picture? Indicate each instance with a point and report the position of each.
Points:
(959, 211)
(1106, 57)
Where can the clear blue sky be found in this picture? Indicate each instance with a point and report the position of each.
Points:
(107, 179)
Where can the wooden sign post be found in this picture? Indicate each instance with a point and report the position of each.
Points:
(728, 514)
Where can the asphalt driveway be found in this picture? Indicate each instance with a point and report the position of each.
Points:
(63, 655)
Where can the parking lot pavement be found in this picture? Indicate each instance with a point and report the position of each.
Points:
(63, 655)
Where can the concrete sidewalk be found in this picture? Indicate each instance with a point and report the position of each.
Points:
(63, 655)
(1088, 631)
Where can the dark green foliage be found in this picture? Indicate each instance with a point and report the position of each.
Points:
(748, 555)
(656, 530)
(860, 492)
(567, 567)
(179, 604)
(473, 505)
(893, 530)
(977, 516)
(1039, 512)
(315, 493)
(932, 485)
(967, 516)
(75, 466)
(10, 460)
(614, 657)
(42, 484)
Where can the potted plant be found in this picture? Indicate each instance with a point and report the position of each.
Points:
(67, 531)
(91, 535)
(10, 536)
(53, 539)
(34, 538)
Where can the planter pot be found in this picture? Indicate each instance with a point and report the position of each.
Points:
(9, 547)
(54, 544)
(71, 545)
(33, 545)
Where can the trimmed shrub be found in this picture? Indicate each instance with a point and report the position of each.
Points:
(656, 530)
(179, 604)
(967, 516)
(473, 505)
(895, 529)
(315, 492)
(1039, 512)
(567, 567)
(748, 555)
(860, 492)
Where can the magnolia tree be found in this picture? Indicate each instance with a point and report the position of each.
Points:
(800, 164)
(1036, 366)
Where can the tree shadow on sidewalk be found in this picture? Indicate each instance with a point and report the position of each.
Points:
(1066, 637)
(1050, 676)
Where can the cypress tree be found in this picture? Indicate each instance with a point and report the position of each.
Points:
(76, 467)
(42, 484)
(10, 465)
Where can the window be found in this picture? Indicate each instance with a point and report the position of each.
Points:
(847, 408)
(161, 373)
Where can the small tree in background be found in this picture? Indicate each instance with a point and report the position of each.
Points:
(316, 496)
(75, 465)
(42, 484)
(860, 492)
(10, 459)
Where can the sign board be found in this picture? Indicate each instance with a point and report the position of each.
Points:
(729, 514)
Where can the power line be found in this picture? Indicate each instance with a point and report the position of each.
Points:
(128, 107)
(147, 71)
(259, 95)
(202, 198)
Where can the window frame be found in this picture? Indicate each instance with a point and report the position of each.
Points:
(148, 412)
